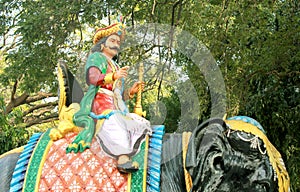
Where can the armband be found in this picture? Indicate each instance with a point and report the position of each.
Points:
(108, 78)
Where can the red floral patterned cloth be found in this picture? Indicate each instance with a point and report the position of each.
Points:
(92, 170)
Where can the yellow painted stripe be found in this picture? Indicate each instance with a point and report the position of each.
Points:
(16, 150)
(129, 182)
(145, 163)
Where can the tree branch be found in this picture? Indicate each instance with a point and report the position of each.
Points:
(16, 102)
(25, 99)
(153, 10)
(173, 11)
(45, 119)
(179, 13)
(39, 96)
(14, 89)
(50, 104)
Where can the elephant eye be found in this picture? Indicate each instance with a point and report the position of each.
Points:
(218, 163)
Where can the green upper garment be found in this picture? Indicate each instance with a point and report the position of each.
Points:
(82, 118)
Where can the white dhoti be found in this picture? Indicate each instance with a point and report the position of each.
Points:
(122, 134)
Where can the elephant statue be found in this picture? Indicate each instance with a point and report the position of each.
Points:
(217, 156)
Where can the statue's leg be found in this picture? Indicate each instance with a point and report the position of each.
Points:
(120, 136)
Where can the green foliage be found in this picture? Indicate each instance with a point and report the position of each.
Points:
(165, 111)
(257, 47)
(44, 30)
(10, 135)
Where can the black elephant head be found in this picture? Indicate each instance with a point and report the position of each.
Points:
(223, 158)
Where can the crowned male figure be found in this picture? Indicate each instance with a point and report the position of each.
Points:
(103, 112)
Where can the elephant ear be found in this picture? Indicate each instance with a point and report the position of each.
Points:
(69, 90)
(205, 145)
(196, 137)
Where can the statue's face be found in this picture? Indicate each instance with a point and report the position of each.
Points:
(111, 46)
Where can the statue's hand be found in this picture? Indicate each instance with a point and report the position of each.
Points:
(121, 73)
(135, 88)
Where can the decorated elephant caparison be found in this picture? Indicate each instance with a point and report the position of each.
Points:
(219, 155)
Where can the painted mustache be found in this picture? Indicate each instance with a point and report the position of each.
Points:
(115, 48)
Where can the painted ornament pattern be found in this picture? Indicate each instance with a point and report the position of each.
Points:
(92, 170)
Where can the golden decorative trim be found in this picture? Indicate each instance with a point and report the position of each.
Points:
(185, 142)
(62, 91)
(138, 103)
(66, 124)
